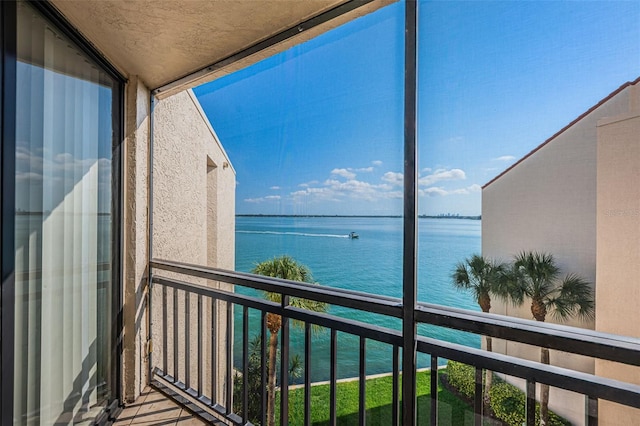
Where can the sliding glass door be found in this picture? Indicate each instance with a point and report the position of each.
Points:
(64, 227)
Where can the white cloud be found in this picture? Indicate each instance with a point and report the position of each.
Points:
(432, 191)
(308, 184)
(310, 191)
(504, 158)
(377, 163)
(342, 186)
(393, 194)
(442, 175)
(344, 173)
(275, 188)
(393, 178)
(261, 199)
(438, 190)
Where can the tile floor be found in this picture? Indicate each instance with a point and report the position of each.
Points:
(154, 408)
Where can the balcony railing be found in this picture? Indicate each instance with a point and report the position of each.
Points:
(192, 323)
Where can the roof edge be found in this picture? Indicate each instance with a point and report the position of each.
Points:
(212, 131)
(565, 128)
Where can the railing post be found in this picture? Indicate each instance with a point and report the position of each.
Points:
(409, 289)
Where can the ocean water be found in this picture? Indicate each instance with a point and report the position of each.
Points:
(372, 263)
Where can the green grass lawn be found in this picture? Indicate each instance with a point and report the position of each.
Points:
(451, 410)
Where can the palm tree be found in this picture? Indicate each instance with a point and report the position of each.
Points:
(254, 382)
(287, 268)
(484, 278)
(537, 277)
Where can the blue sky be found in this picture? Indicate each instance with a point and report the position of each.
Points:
(318, 129)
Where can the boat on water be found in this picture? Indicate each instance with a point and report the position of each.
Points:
(353, 235)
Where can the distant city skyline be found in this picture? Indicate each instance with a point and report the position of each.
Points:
(318, 129)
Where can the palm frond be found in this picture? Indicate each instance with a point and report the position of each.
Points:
(538, 272)
(573, 298)
(284, 267)
(287, 268)
(508, 286)
(460, 277)
(487, 278)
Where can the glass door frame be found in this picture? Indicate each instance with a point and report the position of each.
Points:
(8, 43)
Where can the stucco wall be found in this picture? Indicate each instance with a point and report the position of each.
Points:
(193, 222)
(188, 159)
(547, 203)
(618, 241)
(135, 242)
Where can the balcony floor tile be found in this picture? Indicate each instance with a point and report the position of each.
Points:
(154, 408)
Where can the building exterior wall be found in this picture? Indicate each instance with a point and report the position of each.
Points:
(193, 219)
(193, 214)
(547, 203)
(618, 242)
(135, 239)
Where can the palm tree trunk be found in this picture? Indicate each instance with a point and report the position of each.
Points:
(271, 380)
(544, 391)
(488, 375)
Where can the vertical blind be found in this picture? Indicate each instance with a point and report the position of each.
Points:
(63, 228)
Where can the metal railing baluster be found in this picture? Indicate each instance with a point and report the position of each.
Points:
(200, 360)
(187, 339)
(176, 372)
(229, 382)
(332, 378)
(592, 411)
(531, 403)
(284, 367)
(165, 321)
(433, 376)
(214, 352)
(477, 398)
(395, 398)
(245, 364)
(307, 374)
(263, 368)
(362, 389)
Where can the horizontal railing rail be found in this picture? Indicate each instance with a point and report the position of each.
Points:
(560, 337)
(373, 332)
(347, 298)
(581, 341)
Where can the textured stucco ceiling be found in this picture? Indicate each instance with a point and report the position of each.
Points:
(163, 40)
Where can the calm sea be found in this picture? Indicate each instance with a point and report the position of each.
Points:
(372, 263)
